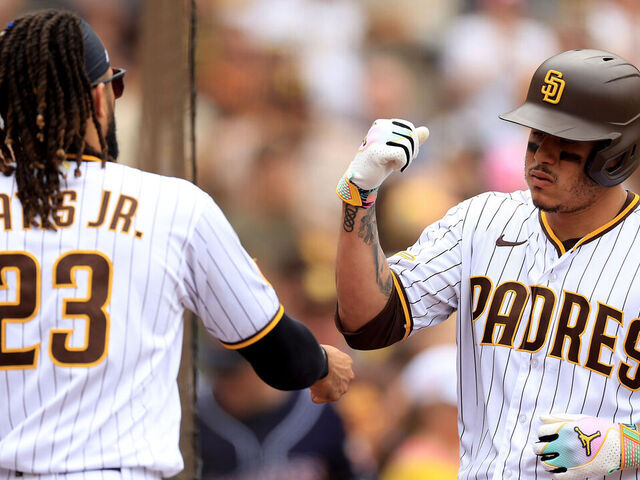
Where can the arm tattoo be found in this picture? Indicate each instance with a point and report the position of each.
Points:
(369, 234)
(350, 213)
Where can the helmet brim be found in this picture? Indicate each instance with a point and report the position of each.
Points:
(558, 124)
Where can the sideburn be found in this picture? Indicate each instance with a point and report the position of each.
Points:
(111, 138)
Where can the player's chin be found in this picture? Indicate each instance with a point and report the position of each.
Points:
(543, 202)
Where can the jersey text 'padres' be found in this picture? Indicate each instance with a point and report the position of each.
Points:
(541, 327)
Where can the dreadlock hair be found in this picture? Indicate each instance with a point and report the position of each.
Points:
(45, 102)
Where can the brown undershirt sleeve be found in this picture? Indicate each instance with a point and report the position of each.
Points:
(391, 325)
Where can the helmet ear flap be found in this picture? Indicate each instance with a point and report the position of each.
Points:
(609, 165)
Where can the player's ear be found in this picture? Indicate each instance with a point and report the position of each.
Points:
(99, 94)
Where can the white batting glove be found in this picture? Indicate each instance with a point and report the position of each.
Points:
(390, 144)
(573, 447)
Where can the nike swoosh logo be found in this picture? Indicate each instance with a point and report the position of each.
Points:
(501, 242)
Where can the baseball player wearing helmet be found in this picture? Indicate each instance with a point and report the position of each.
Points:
(98, 262)
(544, 281)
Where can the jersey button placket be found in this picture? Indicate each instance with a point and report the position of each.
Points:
(554, 272)
(514, 425)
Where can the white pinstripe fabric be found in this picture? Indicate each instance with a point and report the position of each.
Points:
(124, 411)
(124, 474)
(502, 390)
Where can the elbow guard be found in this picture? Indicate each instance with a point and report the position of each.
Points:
(288, 357)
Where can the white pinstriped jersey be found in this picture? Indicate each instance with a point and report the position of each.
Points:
(91, 319)
(539, 329)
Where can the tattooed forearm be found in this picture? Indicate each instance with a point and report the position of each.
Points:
(350, 213)
(369, 233)
(383, 277)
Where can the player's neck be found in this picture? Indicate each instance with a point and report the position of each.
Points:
(580, 223)
(91, 137)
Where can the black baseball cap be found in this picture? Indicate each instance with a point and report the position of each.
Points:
(96, 57)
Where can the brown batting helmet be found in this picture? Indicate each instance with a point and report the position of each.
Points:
(588, 95)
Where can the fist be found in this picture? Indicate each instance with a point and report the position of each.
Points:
(336, 383)
(390, 144)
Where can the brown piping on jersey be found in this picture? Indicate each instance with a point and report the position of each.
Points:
(630, 204)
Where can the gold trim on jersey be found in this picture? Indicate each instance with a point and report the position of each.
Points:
(481, 299)
(408, 321)
(21, 310)
(261, 334)
(632, 203)
(570, 325)
(542, 320)
(550, 235)
(85, 158)
(629, 373)
(93, 308)
(406, 255)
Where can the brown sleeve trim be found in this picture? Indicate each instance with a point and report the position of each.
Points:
(393, 324)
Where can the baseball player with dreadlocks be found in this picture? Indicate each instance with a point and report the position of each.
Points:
(98, 262)
(545, 282)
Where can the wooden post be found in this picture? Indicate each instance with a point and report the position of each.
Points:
(164, 62)
(163, 149)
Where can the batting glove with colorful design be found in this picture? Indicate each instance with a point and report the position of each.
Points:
(390, 144)
(573, 447)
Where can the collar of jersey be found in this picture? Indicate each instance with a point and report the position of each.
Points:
(631, 204)
(85, 158)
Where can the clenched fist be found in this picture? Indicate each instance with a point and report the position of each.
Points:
(336, 383)
(390, 144)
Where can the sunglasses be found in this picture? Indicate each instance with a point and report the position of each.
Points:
(117, 81)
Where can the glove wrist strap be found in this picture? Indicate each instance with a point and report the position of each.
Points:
(629, 446)
(352, 194)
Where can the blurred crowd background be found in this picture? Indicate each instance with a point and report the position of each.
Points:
(286, 91)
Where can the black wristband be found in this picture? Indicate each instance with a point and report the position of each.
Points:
(325, 364)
